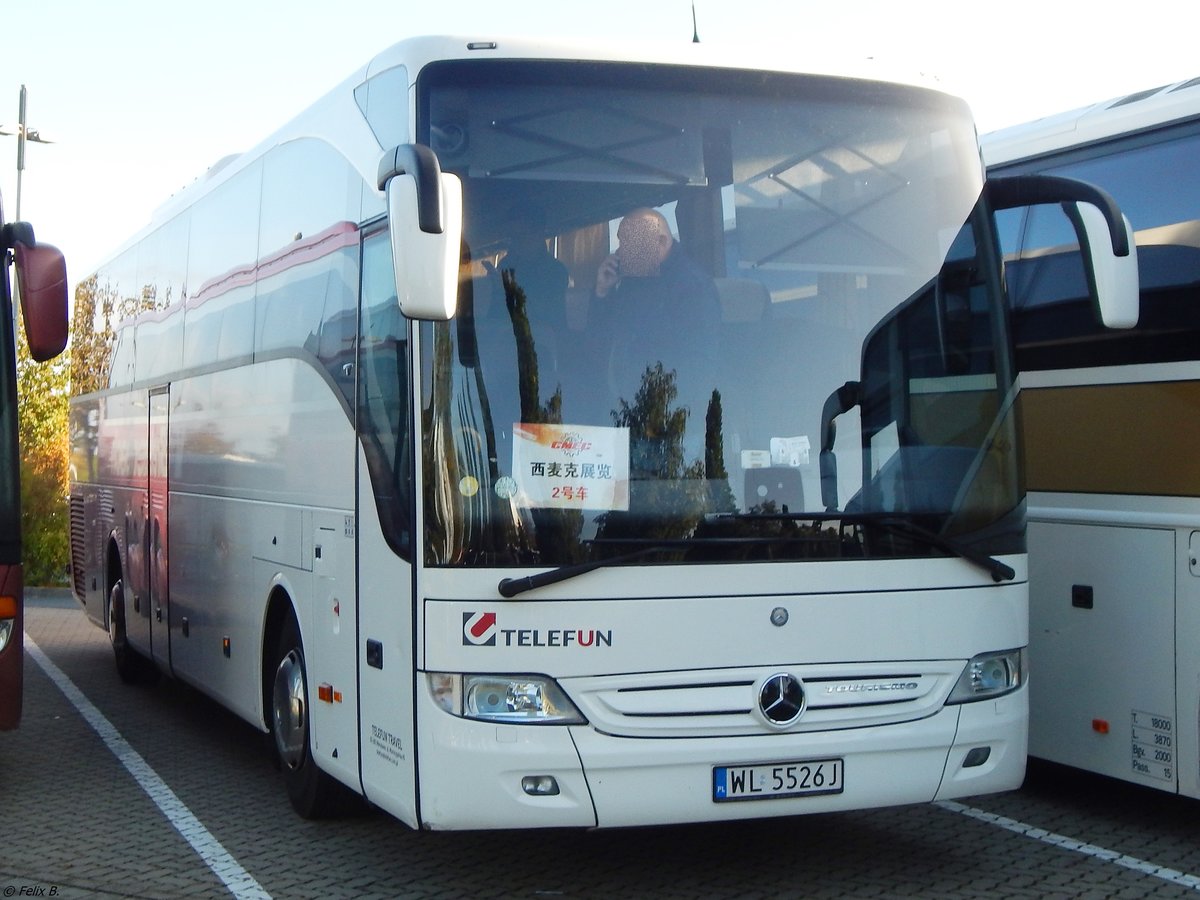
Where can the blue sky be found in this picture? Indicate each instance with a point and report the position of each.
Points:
(141, 96)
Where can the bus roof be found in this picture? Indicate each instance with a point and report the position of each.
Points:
(1128, 114)
(337, 119)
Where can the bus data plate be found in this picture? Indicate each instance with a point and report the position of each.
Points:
(770, 781)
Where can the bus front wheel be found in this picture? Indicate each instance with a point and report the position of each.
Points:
(313, 793)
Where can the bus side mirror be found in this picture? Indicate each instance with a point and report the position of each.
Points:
(42, 284)
(841, 401)
(424, 208)
(1113, 278)
(1105, 237)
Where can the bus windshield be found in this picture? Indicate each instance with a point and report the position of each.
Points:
(721, 315)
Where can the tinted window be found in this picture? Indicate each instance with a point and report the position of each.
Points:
(383, 393)
(118, 301)
(219, 323)
(307, 272)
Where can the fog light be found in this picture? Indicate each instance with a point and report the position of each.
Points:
(539, 785)
(977, 757)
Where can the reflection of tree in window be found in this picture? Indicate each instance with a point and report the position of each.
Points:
(532, 410)
(714, 457)
(92, 338)
(656, 430)
(459, 440)
(668, 495)
(557, 530)
(443, 543)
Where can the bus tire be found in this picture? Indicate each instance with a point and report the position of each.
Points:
(132, 667)
(314, 794)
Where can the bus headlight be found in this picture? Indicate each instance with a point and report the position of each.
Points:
(512, 699)
(6, 630)
(990, 675)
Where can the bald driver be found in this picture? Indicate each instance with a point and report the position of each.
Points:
(649, 264)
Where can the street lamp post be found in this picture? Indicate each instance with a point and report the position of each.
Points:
(23, 134)
(20, 148)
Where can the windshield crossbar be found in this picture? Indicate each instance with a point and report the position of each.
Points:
(840, 219)
(575, 151)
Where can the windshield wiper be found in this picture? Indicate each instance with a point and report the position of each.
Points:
(511, 587)
(896, 525)
(998, 570)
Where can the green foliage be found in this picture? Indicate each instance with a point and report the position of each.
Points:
(96, 308)
(45, 521)
(656, 427)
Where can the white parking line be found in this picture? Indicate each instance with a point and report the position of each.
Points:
(240, 882)
(1065, 843)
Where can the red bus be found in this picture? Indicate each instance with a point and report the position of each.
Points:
(42, 287)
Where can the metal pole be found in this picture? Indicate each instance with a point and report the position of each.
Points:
(20, 150)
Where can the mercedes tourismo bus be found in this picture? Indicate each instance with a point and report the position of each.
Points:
(41, 279)
(1110, 427)
(378, 463)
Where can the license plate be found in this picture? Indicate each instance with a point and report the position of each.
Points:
(770, 781)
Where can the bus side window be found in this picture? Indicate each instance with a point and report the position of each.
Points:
(1047, 286)
(383, 393)
(1055, 327)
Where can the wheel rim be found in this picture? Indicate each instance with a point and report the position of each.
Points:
(116, 634)
(288, 710)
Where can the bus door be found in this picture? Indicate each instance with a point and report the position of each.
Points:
(386, 667)
(156, 528)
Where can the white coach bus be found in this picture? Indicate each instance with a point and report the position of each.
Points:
(1110, 433)
(527, 436)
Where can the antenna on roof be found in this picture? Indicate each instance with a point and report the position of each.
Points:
(695, 29)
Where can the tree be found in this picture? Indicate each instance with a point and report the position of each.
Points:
(42, 430)
(42, 394)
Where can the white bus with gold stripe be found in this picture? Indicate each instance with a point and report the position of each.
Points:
(1112, 422)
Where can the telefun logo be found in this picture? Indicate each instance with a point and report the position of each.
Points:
(479, 629)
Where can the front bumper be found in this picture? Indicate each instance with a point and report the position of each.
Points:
(471, 772)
